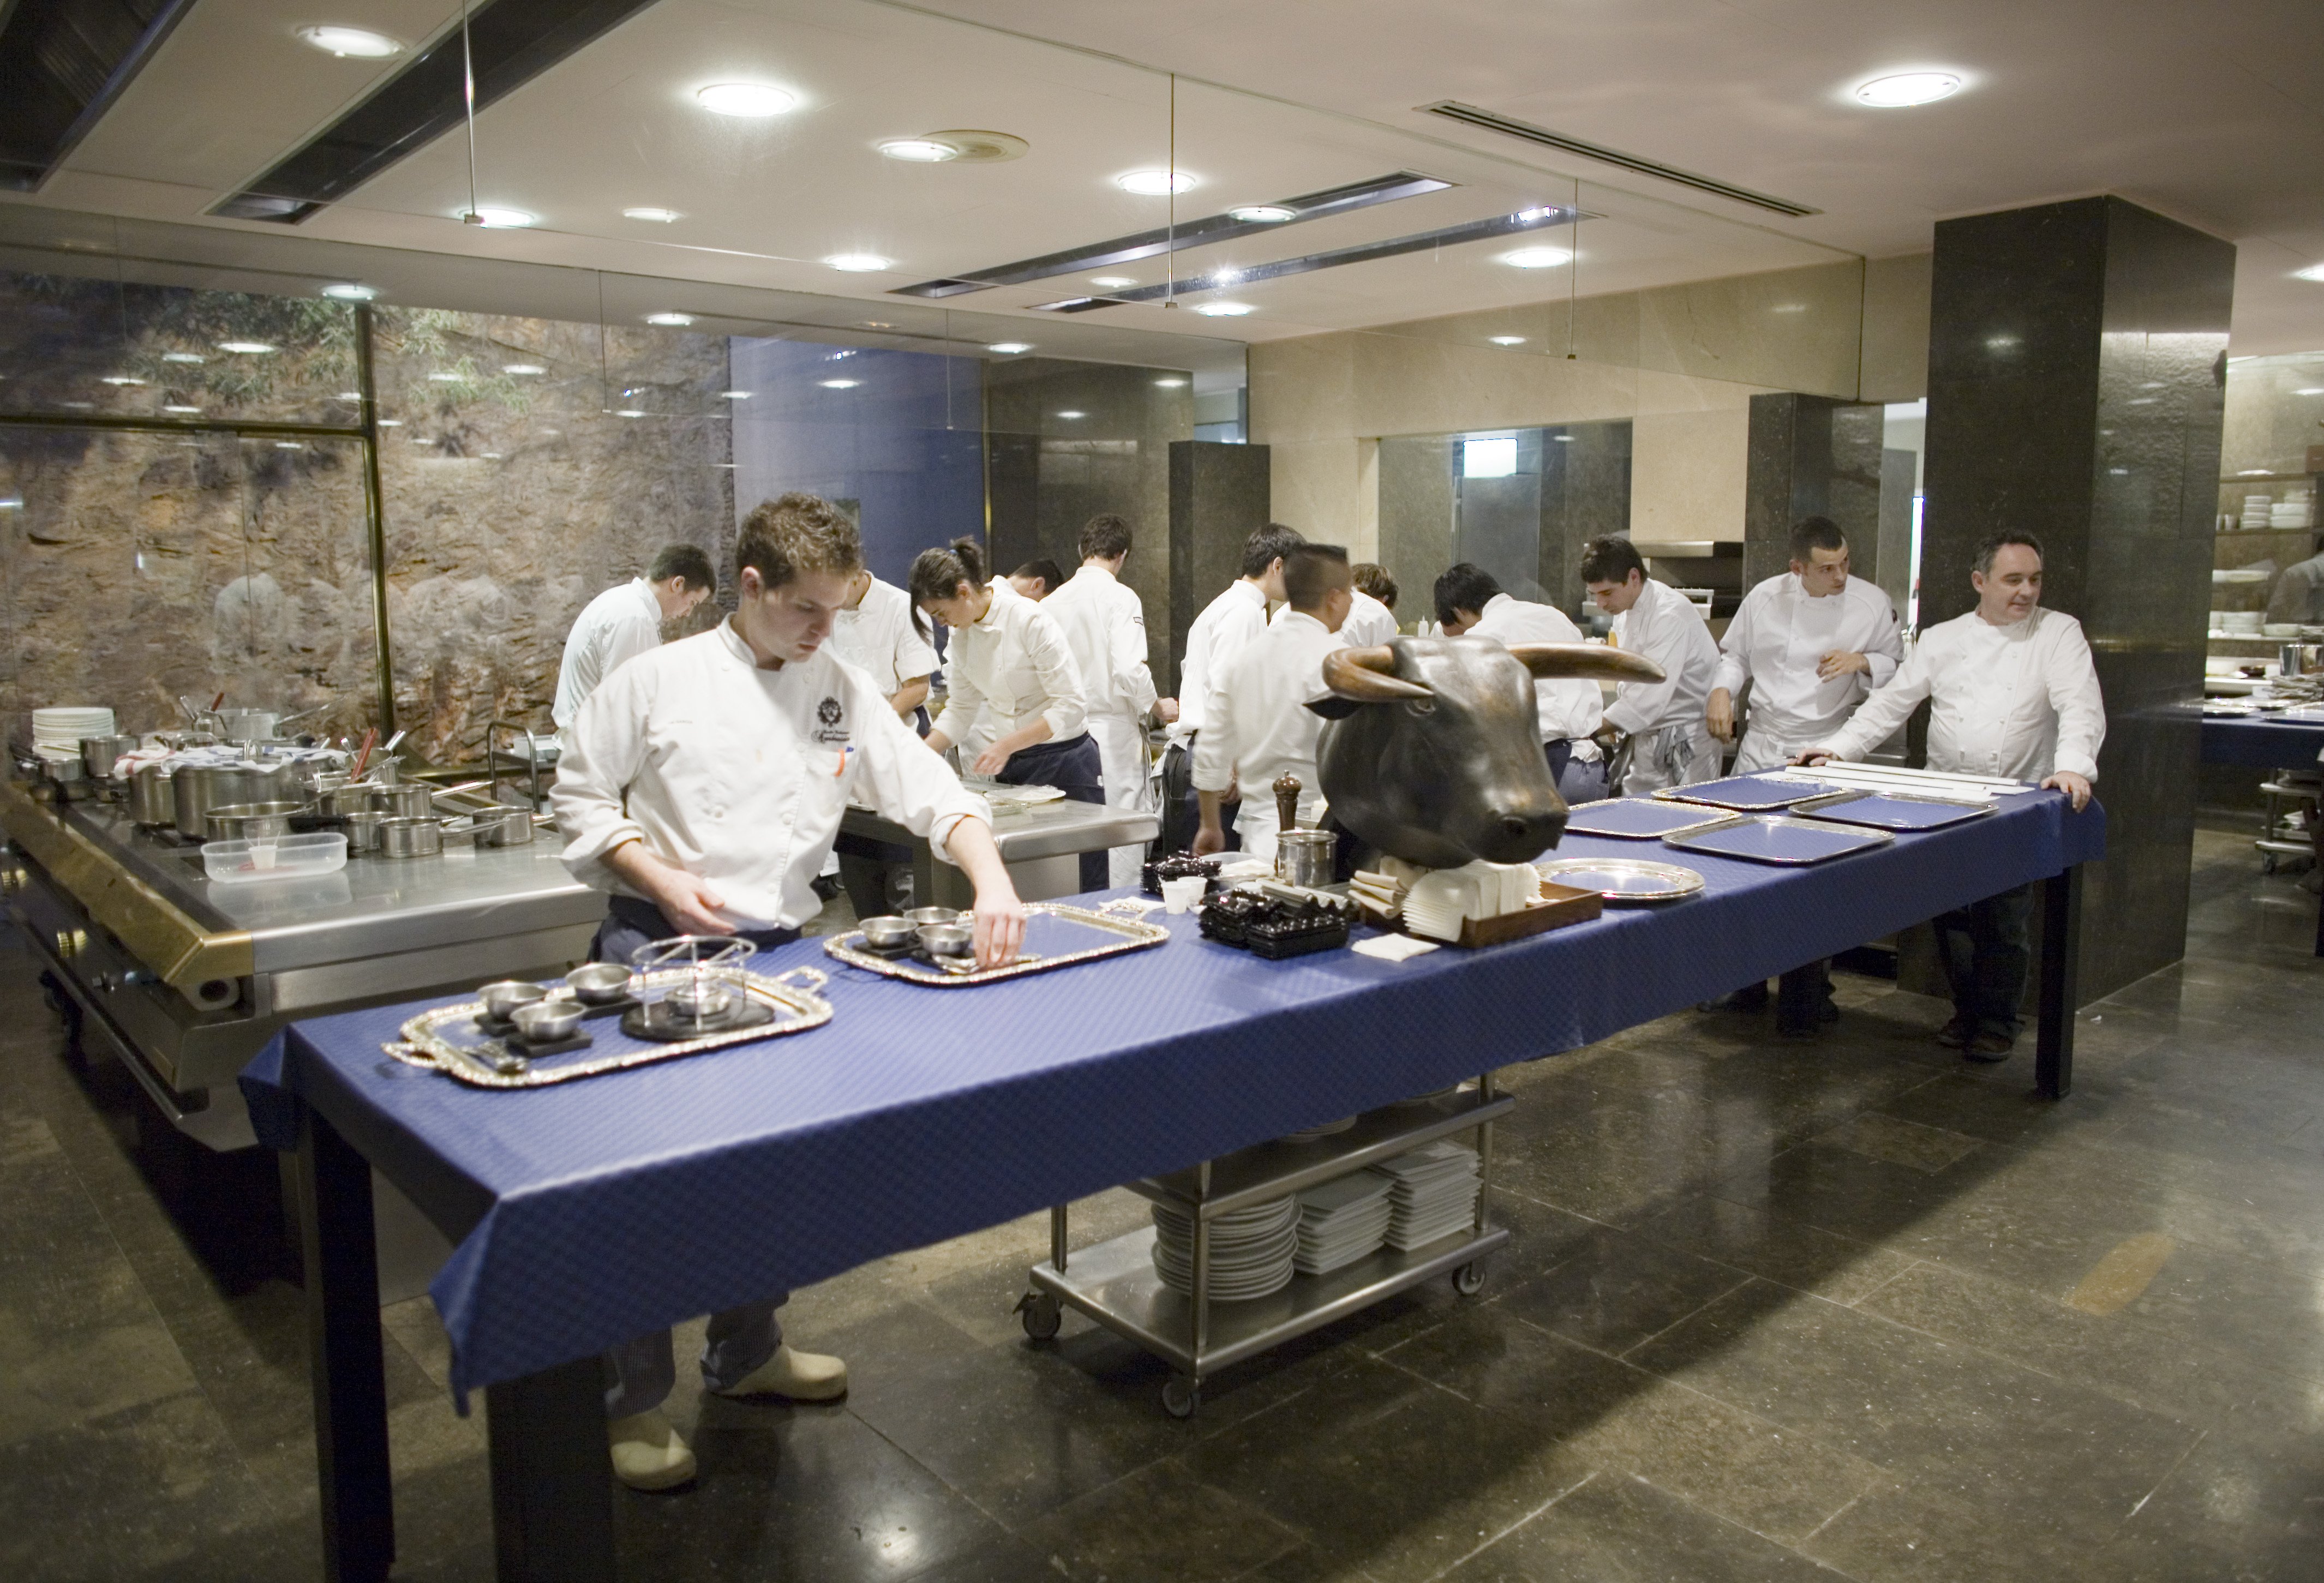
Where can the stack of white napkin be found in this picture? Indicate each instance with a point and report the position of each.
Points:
(1441, 900)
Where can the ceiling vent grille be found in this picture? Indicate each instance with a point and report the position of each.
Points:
(1470, 115)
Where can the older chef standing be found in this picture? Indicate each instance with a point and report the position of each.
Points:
(1671, 745)
(2012, 693)
(1470, 604)
(703, 787)
(1227, 624)
(1258, 725)
(1104, 624)
(625, 622)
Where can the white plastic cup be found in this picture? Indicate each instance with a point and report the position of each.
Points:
(1180, 895)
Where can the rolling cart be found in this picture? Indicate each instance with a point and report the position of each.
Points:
(1114, 1283)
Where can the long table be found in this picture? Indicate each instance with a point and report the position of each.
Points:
(2261, 741)
(587, 1214)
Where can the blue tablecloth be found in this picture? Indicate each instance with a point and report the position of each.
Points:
(590, 1213)
(2261, 741)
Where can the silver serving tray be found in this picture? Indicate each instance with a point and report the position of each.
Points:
(1727, 792)
(1694, 816)
(1622, 879)
(1840, 808)
(427, 1040)
(1134, 933)
(1840, 840)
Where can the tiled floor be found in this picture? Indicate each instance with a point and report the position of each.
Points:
(1772, 1311)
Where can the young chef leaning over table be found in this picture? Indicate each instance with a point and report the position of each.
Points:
(703, 787)
(2013, 696)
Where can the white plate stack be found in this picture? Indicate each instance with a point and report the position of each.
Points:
(60, 729)
(1431, 1193)
(1252, 1249)
(1341, 1221)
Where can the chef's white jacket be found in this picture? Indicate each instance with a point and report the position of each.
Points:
(1259, 726)
(619, 624)
(739, 775)
(1775, 642)
(1227, 624)
(1012, 661)
(1104, 625)
(1568, 708)
(2018, 702)
(1665, 627)
(1370, 622)
(878, 638)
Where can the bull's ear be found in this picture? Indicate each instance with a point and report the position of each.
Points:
(1595, 661)
(1333, 707)
(1368, 676)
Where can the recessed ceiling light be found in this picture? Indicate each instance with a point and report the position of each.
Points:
(2311, 391)
(671, 319)
(1906, 87)
(445, 377)
(1508, 340)
(1009, 348)
(1538, 258)
(858, 263)
(1170, 384)
(249, 347)
(755, 100)
(662, 216)
(733, 395)
(1789, 307)
(289, 445)
(498, 219)
(79, 406)
(919, 151)
(350, 395)
(350, 291)
(391, 423)
(120, 379)
(1223, 309)
(1263, 214)
(14, 502)
(522, 368)
(877, 324)
(1563, 439)
(2312, 273)
(628, 412)
(1154, 183)
(181, 409)
(350, 42)
(1073, 415)
(840, 384)
(182, 357)
(1111, 282)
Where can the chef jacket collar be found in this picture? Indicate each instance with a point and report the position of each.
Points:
(731, 639)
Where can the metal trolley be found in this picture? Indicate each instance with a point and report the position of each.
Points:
(1114, 1283)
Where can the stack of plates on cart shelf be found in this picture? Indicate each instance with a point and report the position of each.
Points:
(1341, 1221)
(1251, 1251)
(62, 728)
(1431, 1193)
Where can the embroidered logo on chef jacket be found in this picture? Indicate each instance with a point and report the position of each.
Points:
(831, 713)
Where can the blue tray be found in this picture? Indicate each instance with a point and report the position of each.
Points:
(1788, 842)
(1638, 818)
(1897, 811)
(1749, 794)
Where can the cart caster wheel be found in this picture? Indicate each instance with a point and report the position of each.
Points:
(1181, 1396)
(1041, 1315)
(2267, 862)
(1468, 1279)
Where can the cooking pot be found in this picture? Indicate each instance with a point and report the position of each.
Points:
(149, 802)
(336, 797)
(411, 838)
(248, 725)
(1305, 857)
(502, 827)
(251, 821)
(414, 800)
(363, 828)
(196, 788)
(99, 755)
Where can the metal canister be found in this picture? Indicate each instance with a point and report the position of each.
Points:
(149, 802)
(100, 754)
(411, 838)
(411, 799)
(364, 826)
(1305, 857)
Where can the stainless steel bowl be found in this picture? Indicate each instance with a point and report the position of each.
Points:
(504, 996)
(948, 939)
(887, 932)
(544, 1022)
(599, 983)
(409, 838)
(363, 828)
(502, 827)
(251, 821)
(699, 997)
(924, 916)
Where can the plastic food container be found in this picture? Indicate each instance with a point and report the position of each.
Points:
(280, 857)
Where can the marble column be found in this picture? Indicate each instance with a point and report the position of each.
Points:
(1811, 456)
(2077, 364)
(1219, 497)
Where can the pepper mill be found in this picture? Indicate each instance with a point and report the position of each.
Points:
(1286, 801)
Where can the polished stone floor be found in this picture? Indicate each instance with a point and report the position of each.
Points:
(1772, 1311)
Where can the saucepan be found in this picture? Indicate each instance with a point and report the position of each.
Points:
(99, 755)
(364, 826)
(251, 821)
(149, 802)
(409, 838)
(413, 799)
(502, 827)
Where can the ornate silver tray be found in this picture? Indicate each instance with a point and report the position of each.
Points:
(1117, 919)
(447, 1040)
(1623, 879)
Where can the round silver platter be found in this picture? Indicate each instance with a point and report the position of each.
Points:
(1622, 878)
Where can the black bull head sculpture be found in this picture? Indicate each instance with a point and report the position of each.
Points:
(1432, 747)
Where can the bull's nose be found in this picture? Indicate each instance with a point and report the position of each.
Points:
(1517, 829)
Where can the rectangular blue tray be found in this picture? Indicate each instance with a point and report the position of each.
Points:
(1748, 794)
(1896, 811)
(1638, 818)
(1787, 842)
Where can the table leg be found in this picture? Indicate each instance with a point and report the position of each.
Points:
(344, 1357)
(2061, 944)
(552, 1497)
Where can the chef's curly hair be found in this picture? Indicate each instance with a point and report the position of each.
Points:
(937, 574)
(798, 532)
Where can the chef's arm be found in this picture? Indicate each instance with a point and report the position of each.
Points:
(2073, 688)
(1877, 720)
(910, 696)
(1131, 679)
(999, 916)
(1213, 835)
(995, 758)
(690, 903)
(963, 702)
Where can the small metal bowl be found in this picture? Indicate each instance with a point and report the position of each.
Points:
(598, 983)
(887, 932)
(948, 939)
(544, 1022)
(921, 916)
(504, 996)
(699, 997)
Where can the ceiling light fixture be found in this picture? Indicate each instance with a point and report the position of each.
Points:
(350, 395)
(182, 357)
(1009, 348)
(248, 349)
(858, 263)
(1156, 183)
(289, 445)
(1538, 258)
(2311, 391)
(120, 379)
(659, 217)
(391, 423)
(522, 368)
(1263, 214)
(443, 377)
(185, 410)
(1223, 309)
(350, 42)
(1903, 89)
(497, 219)
(840, 384)
(1508, 340)
(673, 321)
(1073, 415)
(755, 100)
(350, 291)
(1171, 384)
(733, 395)
(628, 412)
(2312, 273)
(919, 151)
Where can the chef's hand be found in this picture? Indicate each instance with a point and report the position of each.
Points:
(993, 760)
(1210, 838)
(2072, 784)
(1165, 710)
(1840, 663)
(1812, 756)
(1607, 736)
(999, 916)
(1719, 713)
(687, 900)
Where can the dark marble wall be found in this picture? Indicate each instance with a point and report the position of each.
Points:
(1811, 456)
(2077, 359)
(1219, 495)
(1585, 495)
(1417, 504)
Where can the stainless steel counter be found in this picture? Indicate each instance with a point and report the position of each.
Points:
(1041, 845)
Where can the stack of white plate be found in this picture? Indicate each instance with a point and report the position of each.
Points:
(1251, 1251)
(1341, 1221)
(1431, 1193)
(63, 727)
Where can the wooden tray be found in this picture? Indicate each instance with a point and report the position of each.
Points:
(1559, 906)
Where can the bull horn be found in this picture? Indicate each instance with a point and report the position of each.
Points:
(1368, 676)
(1597, 661)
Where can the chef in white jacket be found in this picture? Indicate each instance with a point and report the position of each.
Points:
(1104, 624)
(876, 634)
(1371, 620)
(1228, 623)
(1257, 724)
(1672, 744)
(2012, 693)
(703, 787)
(1812, 642)
(625, 622)
(1470, 603)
